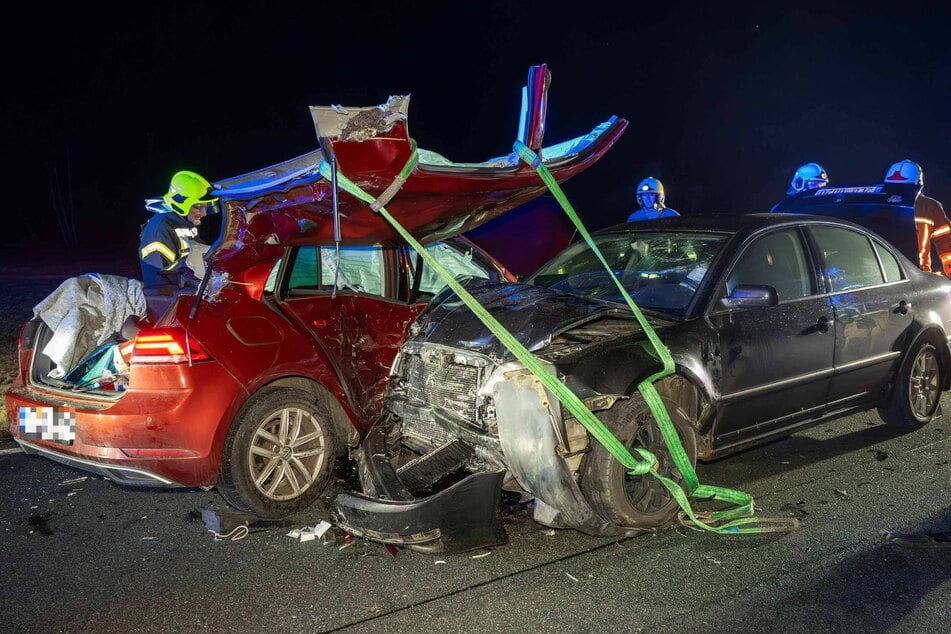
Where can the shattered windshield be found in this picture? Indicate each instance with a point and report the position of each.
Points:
(659, 270)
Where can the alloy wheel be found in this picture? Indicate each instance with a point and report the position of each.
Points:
(287, 453)
(923, 384)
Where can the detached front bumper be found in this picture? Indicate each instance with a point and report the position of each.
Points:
(462, 517)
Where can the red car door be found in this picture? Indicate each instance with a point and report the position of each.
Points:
(352, 311)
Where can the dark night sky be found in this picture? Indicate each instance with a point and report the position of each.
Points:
(725, 100)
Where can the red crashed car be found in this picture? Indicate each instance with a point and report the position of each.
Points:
(260, 378)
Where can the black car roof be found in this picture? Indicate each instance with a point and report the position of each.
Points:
(886, 210)
(727, 223)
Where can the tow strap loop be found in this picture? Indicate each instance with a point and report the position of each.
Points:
(738, 517)
(398, 182)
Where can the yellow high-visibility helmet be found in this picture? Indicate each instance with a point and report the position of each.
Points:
(187, 189)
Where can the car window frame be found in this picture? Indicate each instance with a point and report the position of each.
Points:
(818, 283)
(389, 263)
(873, 239)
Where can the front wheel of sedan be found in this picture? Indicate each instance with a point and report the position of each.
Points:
(636, 501)
(278, 455)
(917, 391)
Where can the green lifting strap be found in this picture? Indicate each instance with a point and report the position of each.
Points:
(737, 520)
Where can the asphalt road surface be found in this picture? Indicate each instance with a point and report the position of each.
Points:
(80, 554)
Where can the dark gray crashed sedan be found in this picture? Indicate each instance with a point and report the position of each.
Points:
(775, 322)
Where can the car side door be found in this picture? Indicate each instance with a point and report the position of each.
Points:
(775, 361)
(350, 305)
(872, 299)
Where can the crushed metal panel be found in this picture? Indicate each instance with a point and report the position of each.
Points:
(345, 123)
(532, 454)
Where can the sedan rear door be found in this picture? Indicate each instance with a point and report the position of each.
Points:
(872, 300)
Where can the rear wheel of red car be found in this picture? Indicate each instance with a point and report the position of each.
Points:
(917, 393)
(635, 501)
(278, 455)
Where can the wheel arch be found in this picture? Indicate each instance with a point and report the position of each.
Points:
(936, 337)
(346, 433)
(685, 388)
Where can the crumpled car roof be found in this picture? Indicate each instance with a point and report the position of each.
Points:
(290, 203)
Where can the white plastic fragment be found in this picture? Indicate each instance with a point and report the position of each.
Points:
(571, 576)
(309, 533)
(481, 555)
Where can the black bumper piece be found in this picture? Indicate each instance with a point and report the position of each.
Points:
(462, 517)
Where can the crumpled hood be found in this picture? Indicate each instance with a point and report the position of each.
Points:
(532, 314)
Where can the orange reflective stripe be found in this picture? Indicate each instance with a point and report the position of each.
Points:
(927, 221)
(942, 231)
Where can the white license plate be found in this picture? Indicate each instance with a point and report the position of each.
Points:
(48, 423)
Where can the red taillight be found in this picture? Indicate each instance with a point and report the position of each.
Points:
(168, 345)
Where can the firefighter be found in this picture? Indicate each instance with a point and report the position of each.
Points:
(650, 201)
(931, 223)
(164, 242)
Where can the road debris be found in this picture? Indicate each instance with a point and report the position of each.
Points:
(571, 576)
(879, 454)
(481, 555)
(842, 493)
(918, 540)
(74, 481)
(796, 509)
(310, 533)
(238, 532)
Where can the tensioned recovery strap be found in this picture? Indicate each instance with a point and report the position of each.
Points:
(735, 520)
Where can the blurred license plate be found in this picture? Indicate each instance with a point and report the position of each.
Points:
(48, 423)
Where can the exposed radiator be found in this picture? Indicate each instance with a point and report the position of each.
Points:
(451, 387)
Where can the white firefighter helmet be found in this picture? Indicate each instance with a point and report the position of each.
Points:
(650, 193)
(905, 172)
(809, 176)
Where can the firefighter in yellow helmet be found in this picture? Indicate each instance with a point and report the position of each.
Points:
(931, 223)
(165, 240)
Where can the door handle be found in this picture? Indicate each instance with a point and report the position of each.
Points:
(903, 307)
(823, 323)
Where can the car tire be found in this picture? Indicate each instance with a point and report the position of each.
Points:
(278, 454)
(635, 501)
(917, 394)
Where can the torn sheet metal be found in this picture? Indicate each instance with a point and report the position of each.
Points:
(291, 204)
(359, 124)
(534, 455)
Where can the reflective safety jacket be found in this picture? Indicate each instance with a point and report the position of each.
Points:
(932, 227)
(163, 243)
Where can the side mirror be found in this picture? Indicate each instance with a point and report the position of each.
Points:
(750, 296)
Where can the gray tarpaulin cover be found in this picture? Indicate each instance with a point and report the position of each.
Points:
(85, 312)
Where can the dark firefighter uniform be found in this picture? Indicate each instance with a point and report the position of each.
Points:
(163, 243)
(932, 227)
